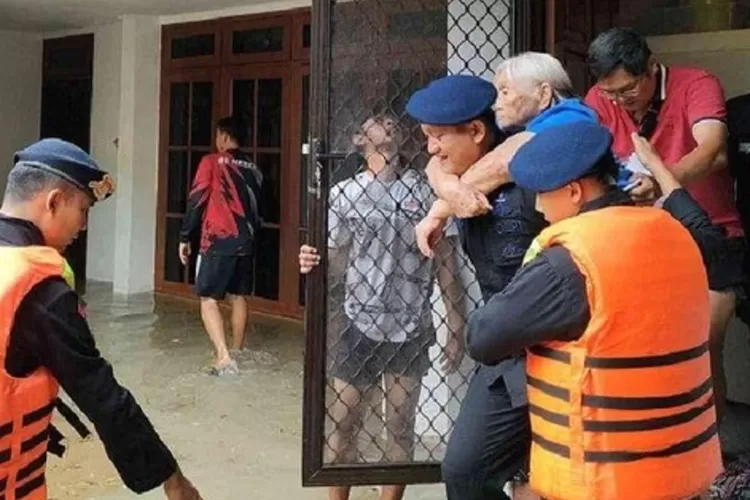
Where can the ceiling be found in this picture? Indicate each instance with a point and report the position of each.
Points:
(55, 15)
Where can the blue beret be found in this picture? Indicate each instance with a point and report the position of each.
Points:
(560, 155)
(452, 100)
(70, 163)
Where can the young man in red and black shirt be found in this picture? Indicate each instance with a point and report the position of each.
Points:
(224, 206)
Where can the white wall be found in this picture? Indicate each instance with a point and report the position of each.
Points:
(137, 159)
(105, 127)
(20, 95)
(250, 8)
(725, 53)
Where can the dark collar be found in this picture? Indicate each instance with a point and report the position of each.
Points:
(18, 232)
(647, 125)
(612, 198)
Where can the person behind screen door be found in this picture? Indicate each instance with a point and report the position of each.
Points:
(224, 208)
(388, 286)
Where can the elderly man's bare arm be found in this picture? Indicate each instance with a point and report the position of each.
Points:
(466, 196)
(492, 170)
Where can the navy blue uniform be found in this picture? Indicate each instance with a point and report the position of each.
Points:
(490, 441)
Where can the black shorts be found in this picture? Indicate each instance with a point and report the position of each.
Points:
(361, 361)
(727, 272)
(219, 275)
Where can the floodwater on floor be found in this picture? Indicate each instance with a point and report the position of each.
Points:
(236, 438)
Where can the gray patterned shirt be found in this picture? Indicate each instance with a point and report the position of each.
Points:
(388, 282)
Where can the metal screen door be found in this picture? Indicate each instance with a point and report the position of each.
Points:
(378, 406)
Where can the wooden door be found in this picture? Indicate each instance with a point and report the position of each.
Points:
(255, 67)
(190, 99)
(261, 95)
(576, 24)
(301, 89)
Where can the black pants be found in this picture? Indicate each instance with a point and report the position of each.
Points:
(489, 444)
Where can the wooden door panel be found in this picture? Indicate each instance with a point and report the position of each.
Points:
(189, 103)
(260, 94)
(577, 23)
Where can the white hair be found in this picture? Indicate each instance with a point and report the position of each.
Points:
(531, 69)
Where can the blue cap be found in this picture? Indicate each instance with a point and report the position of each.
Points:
(564, 112)
(560, 155)
(452, 100)
(69, 162)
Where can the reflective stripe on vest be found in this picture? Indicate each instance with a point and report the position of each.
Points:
(627, 409)
(68, 275)
(26, 404)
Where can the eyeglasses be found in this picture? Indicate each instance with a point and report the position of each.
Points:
(630, 90)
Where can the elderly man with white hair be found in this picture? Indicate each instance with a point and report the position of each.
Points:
(490, 442)
(534, 93)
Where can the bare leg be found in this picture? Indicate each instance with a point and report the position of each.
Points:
(722, 310)
(346, 413)
(214, 324)
(239, 320)
(402, 397)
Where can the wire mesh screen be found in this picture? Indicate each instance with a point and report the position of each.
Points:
(395, 368)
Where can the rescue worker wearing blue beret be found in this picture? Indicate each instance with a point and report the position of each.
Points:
(490, 441)
(534, 92)
(632, 346)
(45, 341)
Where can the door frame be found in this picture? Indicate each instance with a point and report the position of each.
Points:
(57, 70)
(221, 65)
(182, 75)
(527, 34)
(287, 304)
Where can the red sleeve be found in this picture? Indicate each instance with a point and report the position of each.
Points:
(196, 203)
(595, 101)
(704, 99)
(203, 175)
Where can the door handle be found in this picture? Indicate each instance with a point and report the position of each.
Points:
(320, 157)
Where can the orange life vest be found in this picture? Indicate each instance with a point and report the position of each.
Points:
(26, 404)
(626, 411)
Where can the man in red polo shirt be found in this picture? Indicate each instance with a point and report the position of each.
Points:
(681, 111)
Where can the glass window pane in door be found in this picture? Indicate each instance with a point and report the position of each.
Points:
(179, 113)
(202, 113)
(270, 206)
(258, 41)
(192, 46)
(306, 36)
(172, 264)
(177, 182)
(196, 155)
(193, 262)
(269, 112)
(267, 264)
(243, 105)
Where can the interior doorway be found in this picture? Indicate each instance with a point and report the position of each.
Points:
(66, 113)
(256, 67)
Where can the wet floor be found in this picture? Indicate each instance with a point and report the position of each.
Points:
(235, 438)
